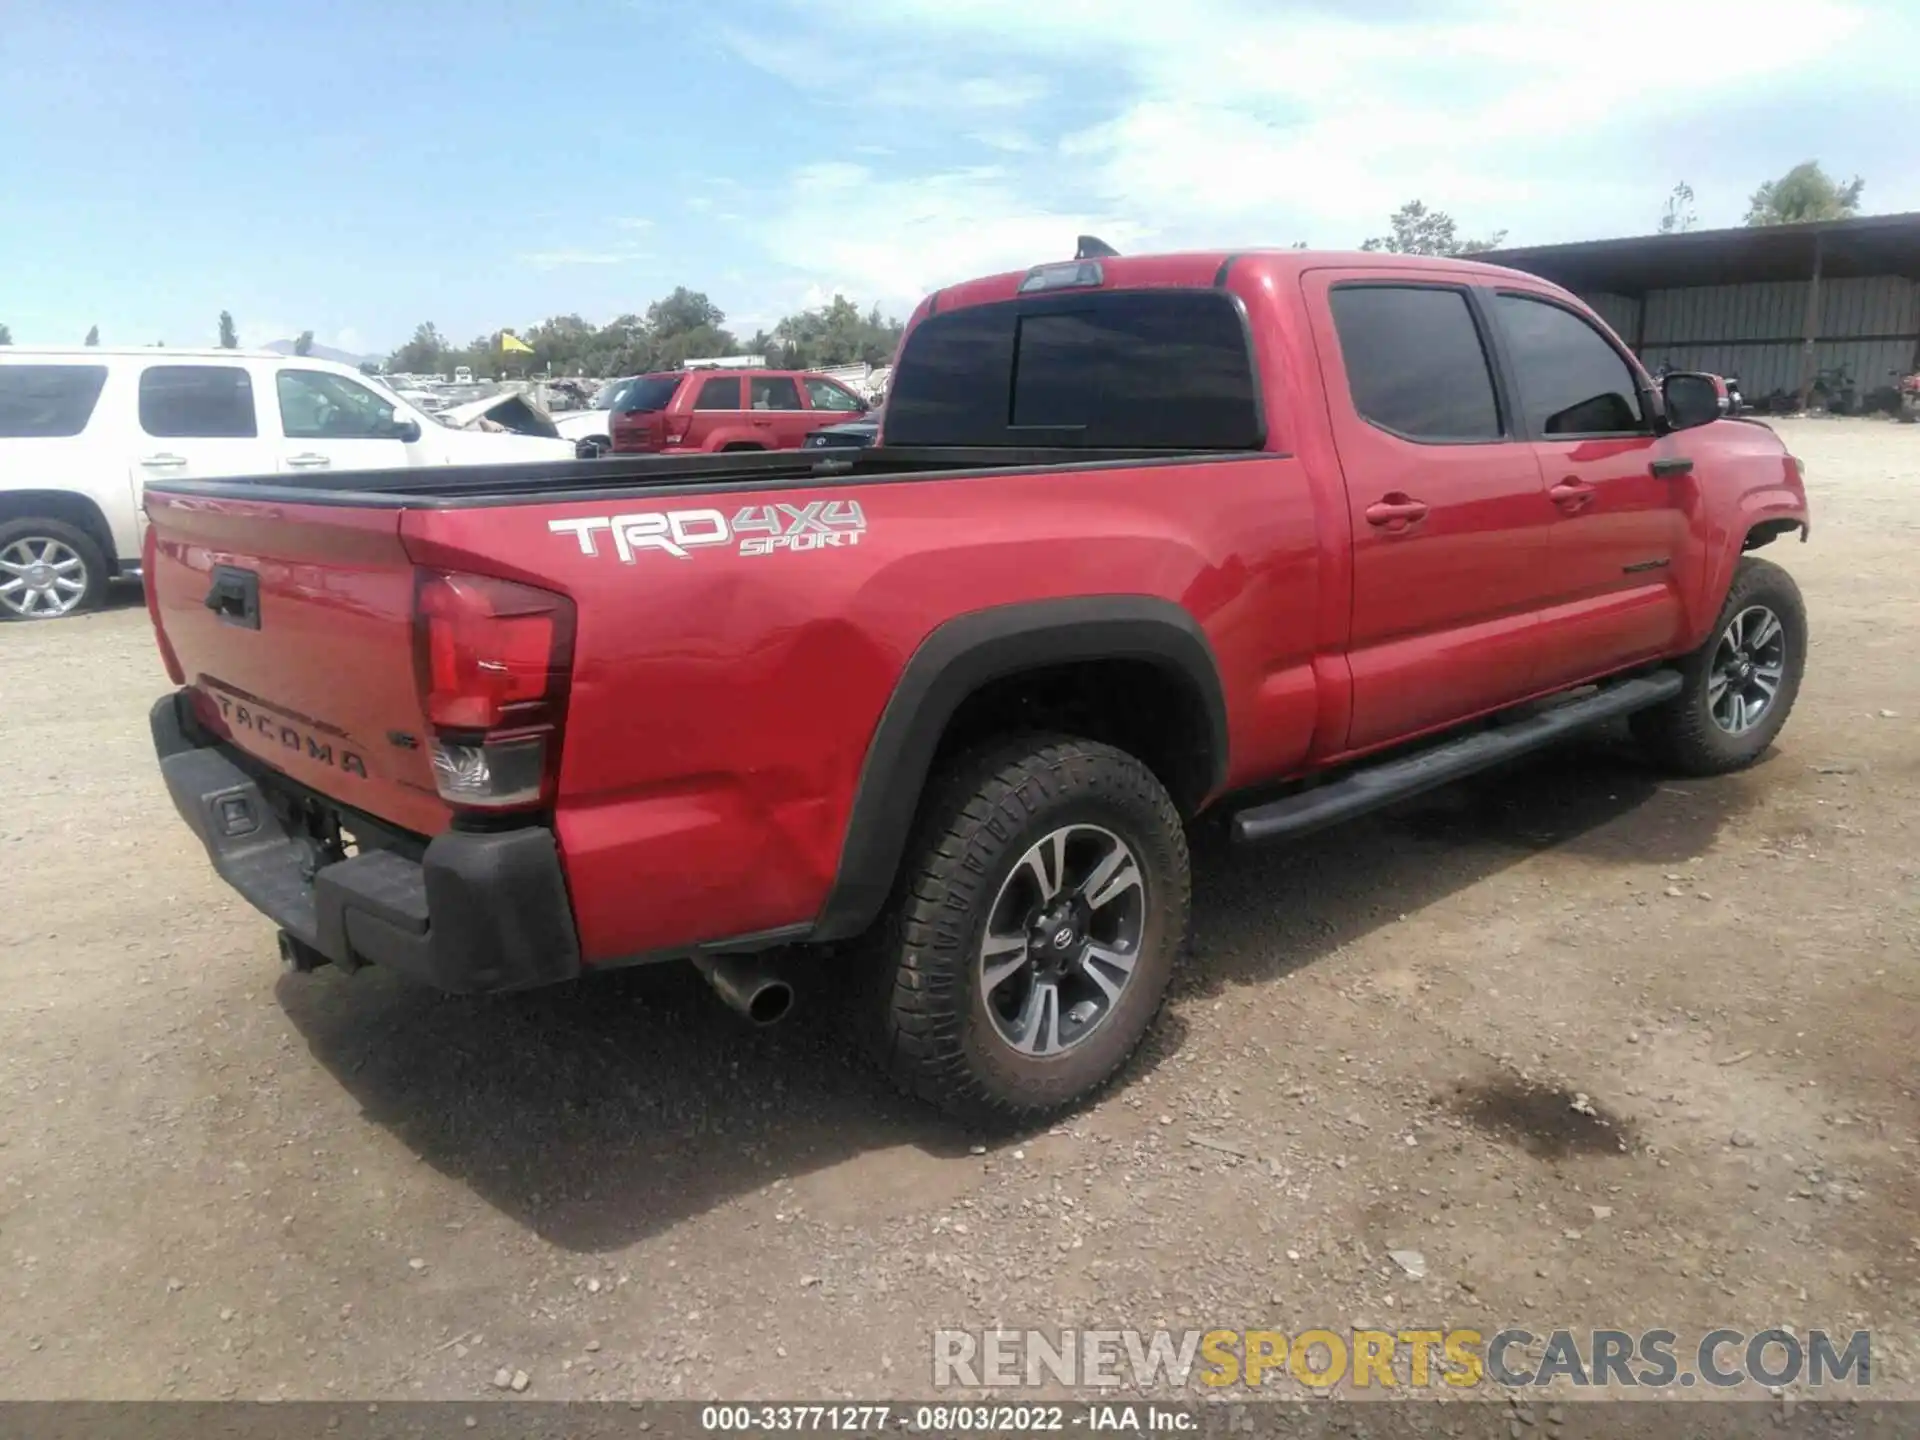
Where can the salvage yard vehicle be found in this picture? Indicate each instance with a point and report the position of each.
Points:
(708, 410)
(83, 430)
(1279, 535)
(594, 424)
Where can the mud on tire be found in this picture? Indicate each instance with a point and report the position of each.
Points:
(941, 1030)
(1700, 731)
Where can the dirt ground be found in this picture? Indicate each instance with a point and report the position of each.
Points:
(218, 1181)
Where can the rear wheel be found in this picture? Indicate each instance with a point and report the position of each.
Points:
(1039, 917)
(48, 569)
(1740, 686)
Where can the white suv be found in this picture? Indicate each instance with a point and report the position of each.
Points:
(81, 431)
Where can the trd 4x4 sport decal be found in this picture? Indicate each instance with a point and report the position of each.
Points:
(754, 529)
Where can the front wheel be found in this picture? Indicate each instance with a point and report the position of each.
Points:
(1041, 910)
(1740, 686)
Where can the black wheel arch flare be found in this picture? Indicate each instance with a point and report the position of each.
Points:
(952, 663)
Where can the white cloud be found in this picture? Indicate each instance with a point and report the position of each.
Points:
(818, 61)
(1230, 122)
(836, 228)
(633, 222)
(556, 259)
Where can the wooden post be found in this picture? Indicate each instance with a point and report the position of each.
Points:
(1807, 366)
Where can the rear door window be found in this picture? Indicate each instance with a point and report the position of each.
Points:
(48, 401)
(721, 393)
(1415, 363)
(1130, 369)
(772, 392)
(1572, 382)
(197, 401)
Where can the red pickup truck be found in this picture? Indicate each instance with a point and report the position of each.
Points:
(1141, 535)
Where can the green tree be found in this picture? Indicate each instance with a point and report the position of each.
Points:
(423, 354)
(1806, 192)
(682, 311)
(93, 336)
(303, 344)
(1678, 216)
(6, 336)
(836, 333)
(229, 337)
(1420, 231)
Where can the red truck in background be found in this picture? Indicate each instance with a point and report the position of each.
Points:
(1141, 534)
(711, 410)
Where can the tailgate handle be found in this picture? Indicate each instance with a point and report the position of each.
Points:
(235, 596)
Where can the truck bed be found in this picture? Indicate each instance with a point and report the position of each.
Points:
(454, 486)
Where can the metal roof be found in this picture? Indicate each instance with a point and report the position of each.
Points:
(1867, 245)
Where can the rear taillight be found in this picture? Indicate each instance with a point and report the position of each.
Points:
(494, 660)
(677, 427)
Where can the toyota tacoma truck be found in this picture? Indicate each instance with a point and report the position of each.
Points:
(1279, 535)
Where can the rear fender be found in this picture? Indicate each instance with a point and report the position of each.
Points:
(952, 663)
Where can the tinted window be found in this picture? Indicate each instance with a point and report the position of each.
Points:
(773, 392)
(1572, 382)
(604, 397)
(826, 395)
(719, 394)
(200, 401)
(1414, 361)
(1129, 369)
(48, 400)
(649, 392)
(316, 405)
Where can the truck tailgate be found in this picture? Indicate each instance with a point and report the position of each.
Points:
(293, 626)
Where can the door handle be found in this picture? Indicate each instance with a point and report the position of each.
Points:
(1670, 466)
(309, 459)
(164, 462)
(1571, 494)
(1396, 512)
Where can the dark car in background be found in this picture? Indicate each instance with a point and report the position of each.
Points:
(858, 433)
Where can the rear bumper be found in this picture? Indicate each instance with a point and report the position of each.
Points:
(476, 912)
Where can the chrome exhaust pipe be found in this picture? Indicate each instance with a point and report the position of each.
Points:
(752, 985)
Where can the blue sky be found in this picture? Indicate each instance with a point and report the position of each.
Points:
(355, 168)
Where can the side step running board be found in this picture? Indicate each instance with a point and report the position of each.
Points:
(1391, 780)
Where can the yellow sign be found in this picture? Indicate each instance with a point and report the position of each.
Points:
(513, 344)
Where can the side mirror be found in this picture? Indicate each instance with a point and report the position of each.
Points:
(406, 431)
(1693, 398)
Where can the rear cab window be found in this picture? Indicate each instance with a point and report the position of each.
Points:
(1415, 361)
(649, 392)
(197, 402)
(1121, 369)
(45, 402)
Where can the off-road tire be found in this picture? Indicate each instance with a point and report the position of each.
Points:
(1681, 733)
(92, 559)
(927, 1017)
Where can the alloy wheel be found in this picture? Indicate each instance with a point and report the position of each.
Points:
(1062, 939)
(41, 577)
(1748, 666)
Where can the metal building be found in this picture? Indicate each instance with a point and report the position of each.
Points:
(1780, 306)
